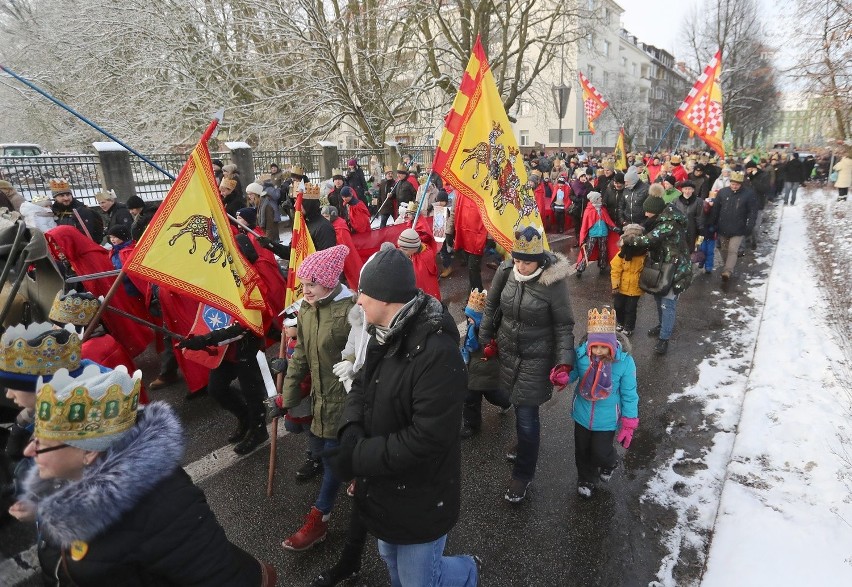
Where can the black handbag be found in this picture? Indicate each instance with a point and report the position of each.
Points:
(656, 278)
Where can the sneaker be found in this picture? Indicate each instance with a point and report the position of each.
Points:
(312, 532)
(517, 491)
(585, 489)
(619, 328)
(467, 431)
(253, 439)
(310, 469)
(606, 473)
(350, 491)
(627, 332)
(662, 347)
(655, 331)
(512, 454)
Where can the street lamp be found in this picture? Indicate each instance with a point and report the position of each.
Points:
(561, 93)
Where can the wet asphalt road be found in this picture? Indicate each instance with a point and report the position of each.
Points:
(555, 537)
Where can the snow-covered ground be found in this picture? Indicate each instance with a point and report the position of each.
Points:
(773, 493)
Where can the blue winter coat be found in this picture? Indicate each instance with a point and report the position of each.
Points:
(603, 414)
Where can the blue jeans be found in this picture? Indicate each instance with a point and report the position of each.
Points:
(528, 428)
(709, 248)
(330, 484)
(790, 186)
(666, 309)
(423, 565)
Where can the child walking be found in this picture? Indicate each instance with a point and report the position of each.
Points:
(624, 274)
(483, 370)
(594, 234)
(605, 400)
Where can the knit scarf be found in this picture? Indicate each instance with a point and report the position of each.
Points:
(523, 278)
(597, 380)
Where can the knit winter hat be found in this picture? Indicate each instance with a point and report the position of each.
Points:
(528, 245)
(230, 168)
(601, 329)
(618, 177)
(409, 239)
(656, 190)
(330, 211)
(255, 188)
(324, 267)
(120, 231)
(685, 184)
(670, 179)
(595, 198)
(352, 162)
(633, 230)
(654, 205)
(248, 214)
(631, 178)
(346, 192)
(388, 276)
(135, 202)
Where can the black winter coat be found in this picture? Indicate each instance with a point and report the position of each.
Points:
(142, 520)
(631, 204)
(65, 217)
(734, 213)
(118, 215)
(534, 327)
(321, 231)
(355, 179)
(761, 184)
(404, 191)
(408, 397)
(693, 210)
(794, 171)
(613, 200)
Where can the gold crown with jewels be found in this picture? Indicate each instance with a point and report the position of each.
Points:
(532, 246)
(60, 186)
(602, 321)
(92, 405)
(39, 349)
(476, 300)
(77, 308)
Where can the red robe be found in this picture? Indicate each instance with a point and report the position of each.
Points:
(86, 257)
(413, 181)
(590, 216)
(352, 264)
(426, 271)
(179, 314)
(359, 216)
(470, 231)
(679, 173)
(653, 171)
(273, 286)
(105, 350)
(544, 209)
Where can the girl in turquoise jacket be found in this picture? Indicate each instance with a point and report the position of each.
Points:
(605, 400)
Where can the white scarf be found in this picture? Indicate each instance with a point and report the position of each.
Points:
(523, 278)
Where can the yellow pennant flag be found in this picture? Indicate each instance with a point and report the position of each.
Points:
(620, 154)
(479, 156)
(701, 110)
(189, 247)
(301, 245)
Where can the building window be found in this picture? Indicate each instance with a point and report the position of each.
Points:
(567, 135)
(606, 48)
(606, 16)
(606, 78)
(591, 73)
(590, 42)
(624, 62)
(633, 69)
(525, 138)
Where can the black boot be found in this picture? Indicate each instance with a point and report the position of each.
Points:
(346, 569)
(239, 432)
(655, 331)
(662, 347)
(256, 436)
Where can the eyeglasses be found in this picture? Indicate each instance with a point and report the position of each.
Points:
(41, 451)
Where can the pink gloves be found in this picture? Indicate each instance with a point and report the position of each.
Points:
(625, 434)
(559, 376)
(490, 350)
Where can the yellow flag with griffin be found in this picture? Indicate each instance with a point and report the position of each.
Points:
(301, 245)
(189, 247)
(620, 154)
(479, 156)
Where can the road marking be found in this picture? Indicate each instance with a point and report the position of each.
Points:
(24, 565)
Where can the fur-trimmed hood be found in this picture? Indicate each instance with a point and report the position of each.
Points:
(557, 268)
(114, 483)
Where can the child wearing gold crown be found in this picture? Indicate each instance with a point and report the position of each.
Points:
(483, 370)
(605, 400)
(625, 271)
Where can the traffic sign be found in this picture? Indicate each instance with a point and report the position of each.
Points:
(585, 133)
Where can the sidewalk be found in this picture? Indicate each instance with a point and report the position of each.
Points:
(785, 516)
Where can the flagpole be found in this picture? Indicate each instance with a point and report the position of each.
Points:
(95, 126)
(662, 138)
(679, 137)
(90, 329)
(422, 198)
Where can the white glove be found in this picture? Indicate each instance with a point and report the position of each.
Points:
(343, 370)
(347, 385)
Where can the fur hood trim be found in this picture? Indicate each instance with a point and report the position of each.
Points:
(425, 310)
(114, 483)
(355, 317)
(558, 268)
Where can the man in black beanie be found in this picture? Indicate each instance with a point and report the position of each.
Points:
(408, 488)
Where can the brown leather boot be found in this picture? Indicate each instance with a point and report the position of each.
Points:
(313, 532)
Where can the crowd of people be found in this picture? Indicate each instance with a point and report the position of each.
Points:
(376, 375)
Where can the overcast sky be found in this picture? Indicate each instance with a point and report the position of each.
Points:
(657, 22)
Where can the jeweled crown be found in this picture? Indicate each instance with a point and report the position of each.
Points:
(476, 300)
(91, 405)
(77, 308)
(312, 191)
(602, 321)
(528, 246)
(39, 349)
(59, 186)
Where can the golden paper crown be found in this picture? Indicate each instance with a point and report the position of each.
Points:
(89, 406)
(74, 308)
(39, 349)
(476, 300)
(602, 321)
(227, 183)
(41, 199)
(60, 186)
(527, 243)
(312, 191)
